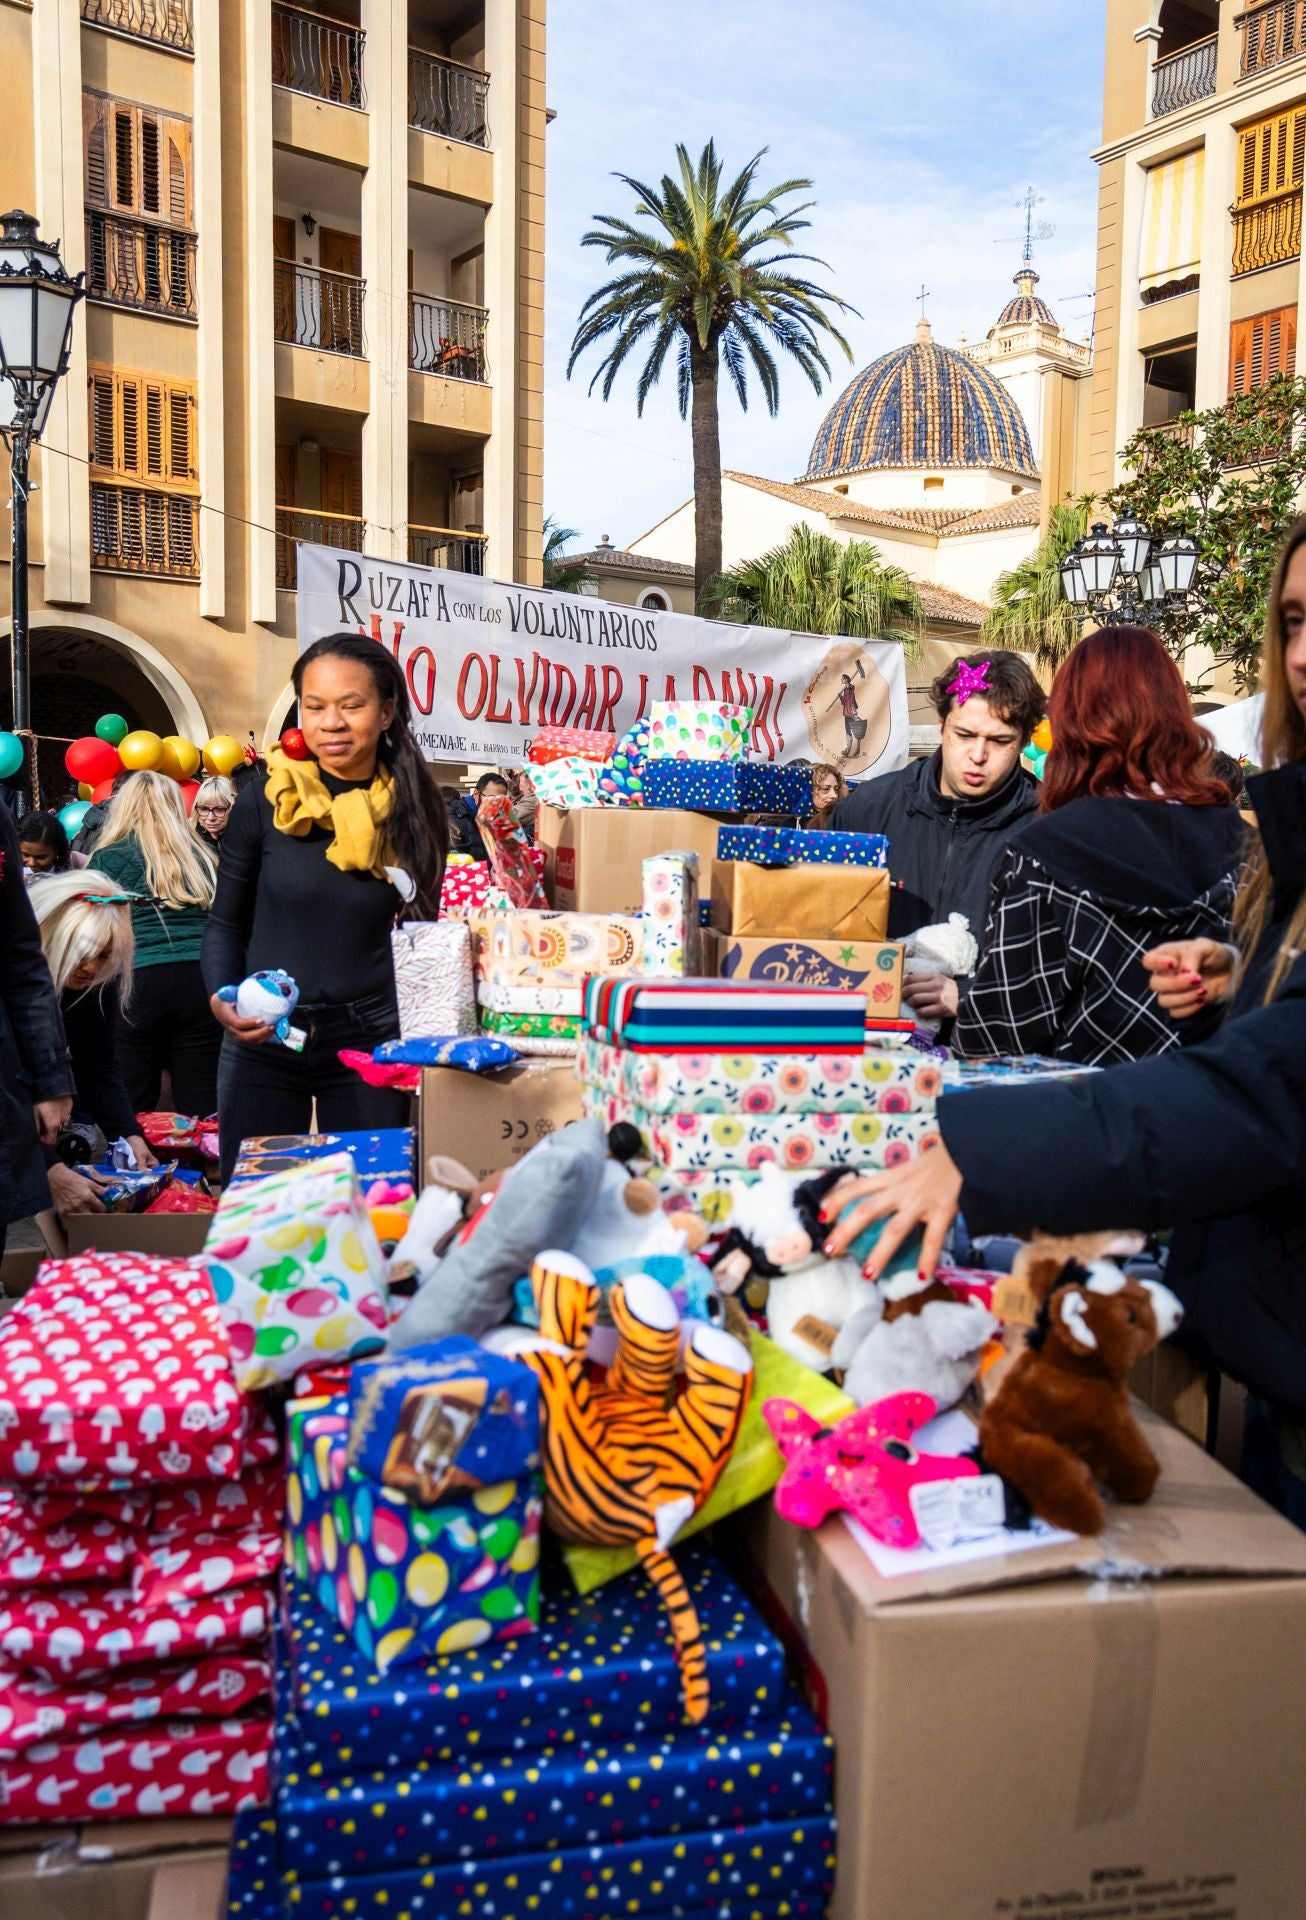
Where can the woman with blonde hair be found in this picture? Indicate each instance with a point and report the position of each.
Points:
(86, 936)
(212, 810)
(148, 847)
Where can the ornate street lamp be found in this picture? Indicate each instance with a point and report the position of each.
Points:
(37, 298)
(1126, 575)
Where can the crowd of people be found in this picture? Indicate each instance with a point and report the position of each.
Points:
(1127, 914)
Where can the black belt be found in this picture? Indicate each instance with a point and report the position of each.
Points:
(323, 1020)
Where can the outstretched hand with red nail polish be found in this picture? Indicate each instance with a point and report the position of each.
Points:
(924, 1192)
(1187, 975)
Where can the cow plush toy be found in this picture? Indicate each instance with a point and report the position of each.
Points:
(1061, 1421)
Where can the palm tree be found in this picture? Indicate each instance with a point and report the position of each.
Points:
(1030, 613)
(561, 571)
(816, 584)
(706, 270)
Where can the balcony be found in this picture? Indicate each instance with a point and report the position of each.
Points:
(446, 337)
(1271, 34)
(141, 264)
(1183, 77)
(1181, 431)
(316, 55)
(1267, 233)
(447, 98)
(321, 529)
(135, 530)
(319, 309)
(445, 547)
(166, 22)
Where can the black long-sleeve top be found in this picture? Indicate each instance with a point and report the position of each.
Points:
(33, 1053)
(91, 1021)
(280, 903)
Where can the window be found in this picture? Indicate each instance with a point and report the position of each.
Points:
(138, 162)
(1260, 348)
(1169, 384)
(1267, 211)
(143, 429)
(653, 600)
(1171, 250)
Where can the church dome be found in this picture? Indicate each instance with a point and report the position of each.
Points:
(1025, 307)
(922, 406)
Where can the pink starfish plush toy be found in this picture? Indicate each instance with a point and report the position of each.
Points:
(865, 1466)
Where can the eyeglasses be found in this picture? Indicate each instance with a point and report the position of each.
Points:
(214, 813)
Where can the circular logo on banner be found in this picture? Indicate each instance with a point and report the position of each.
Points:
(846, 706)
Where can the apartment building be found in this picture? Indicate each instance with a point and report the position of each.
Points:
(313, 246)
(1199, 274)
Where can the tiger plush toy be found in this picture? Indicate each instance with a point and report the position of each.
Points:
(624, 1463)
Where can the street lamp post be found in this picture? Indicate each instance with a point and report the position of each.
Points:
(1126, 575)
(37, 298)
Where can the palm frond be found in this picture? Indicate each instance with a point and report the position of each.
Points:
(812, 583)
(1030, 613)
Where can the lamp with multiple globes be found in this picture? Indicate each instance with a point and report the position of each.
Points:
(1126, 575)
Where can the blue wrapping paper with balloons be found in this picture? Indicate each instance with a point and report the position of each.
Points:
(387, 1153)
(441, 1420)
(600, 1666)
(297, 1271)
(406, 1582)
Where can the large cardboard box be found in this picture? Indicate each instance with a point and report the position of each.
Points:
(490, 1120)
(167, 1235)
(1109, 1727)
(595, 854)
(873, 965)
(119, 1870)
(809, 903)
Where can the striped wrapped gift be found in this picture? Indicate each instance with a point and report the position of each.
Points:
(724, 1016)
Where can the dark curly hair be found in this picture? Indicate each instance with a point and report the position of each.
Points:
(1012, 692)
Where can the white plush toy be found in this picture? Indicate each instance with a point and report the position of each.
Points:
(627, 1223)
(913, 1336)
(949, 947)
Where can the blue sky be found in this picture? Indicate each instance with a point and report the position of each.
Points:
(920, 125)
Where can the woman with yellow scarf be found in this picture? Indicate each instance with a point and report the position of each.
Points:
(317, 865)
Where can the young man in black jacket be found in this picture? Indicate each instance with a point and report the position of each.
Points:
(948, 819)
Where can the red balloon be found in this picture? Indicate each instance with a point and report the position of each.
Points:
(189, 788)
(294, 745)
(102, 790)
(92, 760)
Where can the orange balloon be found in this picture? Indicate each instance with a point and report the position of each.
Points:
(222, 754)
(1042, 735)
(141, 751)
(180, 758)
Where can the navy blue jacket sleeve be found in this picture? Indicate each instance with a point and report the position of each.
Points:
(25, 984)
(230, 919)
(1189, 1135)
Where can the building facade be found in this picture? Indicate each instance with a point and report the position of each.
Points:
(313, 243)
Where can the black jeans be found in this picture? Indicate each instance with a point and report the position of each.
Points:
(168, 1022)
(270, 1089)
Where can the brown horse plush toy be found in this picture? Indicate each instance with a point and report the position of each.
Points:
(1061, 1419)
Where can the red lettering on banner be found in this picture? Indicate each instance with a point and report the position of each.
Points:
(762, 710)
(703, 685)
(525, 693)
(498, 719)
(375, 634)
(472, 712)
(642, 706)
(544, 689)
(669, 691)
(423, 702)
(561, 673)
(588, 699)
(605, 720)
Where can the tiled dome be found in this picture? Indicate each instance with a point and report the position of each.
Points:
(1024, 306)
(922, 406)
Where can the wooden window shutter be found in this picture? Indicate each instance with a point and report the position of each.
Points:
(95, 149)
(181, 439)
(178, 180)
(128, 449)
(151, 183)
(1271, 157)
(100, 384)
(124, 158)
(1239, 346)
(1260, 348)
(156, 462)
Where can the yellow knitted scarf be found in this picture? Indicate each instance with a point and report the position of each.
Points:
(300, 801)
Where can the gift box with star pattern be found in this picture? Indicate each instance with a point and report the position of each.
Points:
(728, 786)
(797, 847)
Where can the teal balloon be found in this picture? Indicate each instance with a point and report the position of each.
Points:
(1036, 758)
(113, 728)
(71, 816)
(11, 755)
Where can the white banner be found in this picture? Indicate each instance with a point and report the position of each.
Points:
(488, 664)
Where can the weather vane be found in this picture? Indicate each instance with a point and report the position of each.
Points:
(1043, 231)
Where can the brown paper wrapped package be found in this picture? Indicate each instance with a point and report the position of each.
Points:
(812, 903)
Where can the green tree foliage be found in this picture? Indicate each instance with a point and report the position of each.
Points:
(561, 572)
(1030, 613)
(706, 277)
(815, 584)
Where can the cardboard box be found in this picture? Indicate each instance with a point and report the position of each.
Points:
(811, 903)
(595, 854)
(489, 1120)
(1106, 1726)
(172, 1235)
(873, 965)
(121, 1870)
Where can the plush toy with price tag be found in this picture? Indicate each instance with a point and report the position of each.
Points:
(270, 996)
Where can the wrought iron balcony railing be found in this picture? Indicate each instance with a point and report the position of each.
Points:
(1267, 233)
(321, 529)
(445, 547)
(1271, 34)
(167, 22)
(446, 337)
(1185, 76)
(448, 98)
(1181, 431)
(132, 262)
(319, 309)
(137, 530)
(314, 54)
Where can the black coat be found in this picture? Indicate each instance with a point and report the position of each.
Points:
(943, 853)
(1209, 1140)
(33, 1053)
(92, 1021)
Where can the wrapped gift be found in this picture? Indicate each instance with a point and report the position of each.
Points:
(725, 1142)
(170, 1767)
(621, 782)
(81, 1547)
(388, 1153)
(698, 730)
(744, 1084)
(488, 1806)
(531, 1026)
(516, 871)
(405, 1580)
(722, 1016)
(465, 888)
(524, 999)
(66, 1631)
(568, 1684)
(433, 977)
(670, 931)
(873, 965)
(728, 786)
(253, 1884)
(298, 1271)
(117, 1367)
(567, 783)
(806, 903)
(215, 1687)
(799, 847)
(563, 743)
(187, 1565)
(208, 1506)
(554, 949)
(125, 1191)
(443, 1420)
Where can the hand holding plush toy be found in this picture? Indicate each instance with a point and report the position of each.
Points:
(269, 996)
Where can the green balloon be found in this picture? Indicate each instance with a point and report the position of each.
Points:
(270, 1341)
(382, 1597)
(500, 1538)
(113, 728)
(500, 1603)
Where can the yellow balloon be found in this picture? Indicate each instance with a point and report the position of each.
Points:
(180, 758)
(141, 751)
(84, 791)
(1042, 735)
(222, 754)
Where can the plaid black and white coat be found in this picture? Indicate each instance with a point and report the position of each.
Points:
(1080, 896)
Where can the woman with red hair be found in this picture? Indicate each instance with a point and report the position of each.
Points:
(1135, 843)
